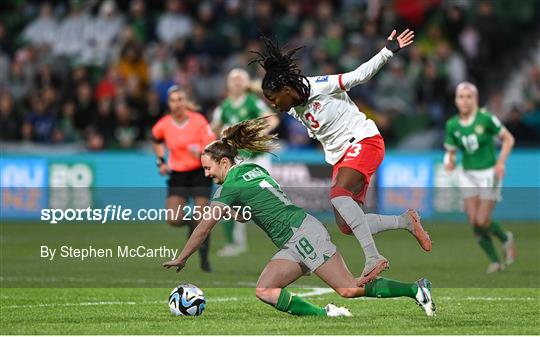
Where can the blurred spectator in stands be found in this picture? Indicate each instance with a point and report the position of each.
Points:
(262, 21)
(125, 132)
(333, 41)
(6, 43)
(101, 130)
(174, 23)
(324, 16)
(524, 134)
(39, 124)
(453, 22)
(100, 34)
(428, 41)
(371, 41)
(140, 21)
(232, 26)
(107, 86)
(531, 90)
(415, 67)
(43, 29)
(489, 29)
(133, 69)
(295, 133)
(9, 120)
(451, 65)
(201, 44)
(395, 91)
(69, 39)
(18, 82)
(86, 107)
(162, 65)
(45, 77)
(66, 122)
(49, 96)
(206, 16)
(309, 40)
(432, 93)
(289, 23)
(495, 105)
(153, 112)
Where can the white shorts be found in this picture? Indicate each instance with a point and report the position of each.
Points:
(310, 246)
(481, 183)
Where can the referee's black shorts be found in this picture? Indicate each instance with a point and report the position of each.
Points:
(189, 184)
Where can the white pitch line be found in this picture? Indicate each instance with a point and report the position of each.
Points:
(313, 293)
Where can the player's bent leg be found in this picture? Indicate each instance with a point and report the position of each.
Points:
(175, 214)
(484, 219)
(483, 212)
(409, 220)
(335, 273)
(348, 182)
(342, 225)
(471, 206)
(278, 274)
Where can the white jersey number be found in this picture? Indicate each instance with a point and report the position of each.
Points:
(280, 195)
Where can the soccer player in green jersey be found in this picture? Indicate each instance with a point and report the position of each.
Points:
(472, 131)
(304, 243)
(240, 105)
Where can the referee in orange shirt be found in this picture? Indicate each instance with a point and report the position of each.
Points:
(184, 133)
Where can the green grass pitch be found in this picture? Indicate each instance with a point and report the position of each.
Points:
(128, 296)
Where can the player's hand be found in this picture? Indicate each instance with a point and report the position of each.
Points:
(177, 263)
(403, 40)
(163, 169)
(500, 170)
(450, 166)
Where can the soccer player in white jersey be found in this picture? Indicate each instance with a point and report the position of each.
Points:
(352, 143)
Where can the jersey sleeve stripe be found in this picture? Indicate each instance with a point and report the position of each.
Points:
(340, 81)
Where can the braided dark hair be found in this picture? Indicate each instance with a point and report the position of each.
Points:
(281, 69)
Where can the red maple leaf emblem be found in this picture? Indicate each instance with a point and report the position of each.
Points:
(316, 106)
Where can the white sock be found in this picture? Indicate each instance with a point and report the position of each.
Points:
(354, 216)
(380, 223)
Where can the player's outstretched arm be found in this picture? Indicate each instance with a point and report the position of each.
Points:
(200, 233)
(506, 147)
(366, 71)
(449, 160)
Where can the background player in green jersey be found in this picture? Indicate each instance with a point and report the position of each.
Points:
(240, 105)
(304, 243)
(473, 131)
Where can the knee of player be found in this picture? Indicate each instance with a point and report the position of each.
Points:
(267, 295)
(346, 292)
(482, 222)
(175, 222)
(345, 229)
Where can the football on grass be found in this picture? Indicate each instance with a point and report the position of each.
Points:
(187, 300)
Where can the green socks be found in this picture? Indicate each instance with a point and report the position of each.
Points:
(228, 228)
(497, 230)
(384, 288)
(485, 242)
(295, 305)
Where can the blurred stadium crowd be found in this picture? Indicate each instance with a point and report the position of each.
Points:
(95, 73)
